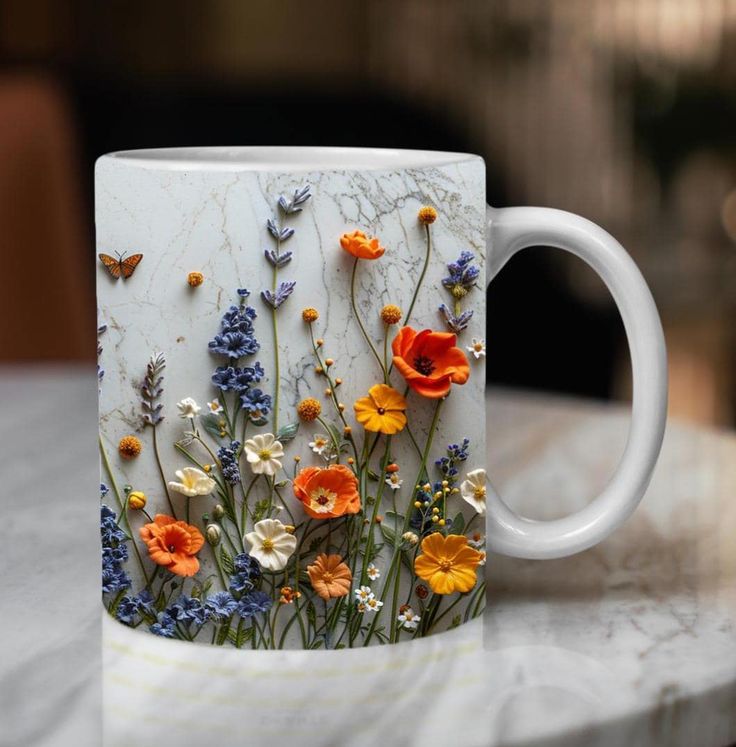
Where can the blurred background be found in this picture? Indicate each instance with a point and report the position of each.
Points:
(621, 110)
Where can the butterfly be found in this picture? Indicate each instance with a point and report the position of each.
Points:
(123, 265)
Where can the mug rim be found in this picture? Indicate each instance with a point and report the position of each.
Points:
(285, 158)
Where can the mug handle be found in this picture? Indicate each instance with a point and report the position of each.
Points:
(511, 229)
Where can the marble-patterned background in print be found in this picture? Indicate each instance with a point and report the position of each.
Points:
(214, 221)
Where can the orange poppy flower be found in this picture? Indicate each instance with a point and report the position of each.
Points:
(429, 361)
(173, 544)
(330, 577)
(447, 564)
(382, 411)
(327, 492)
(360, 246)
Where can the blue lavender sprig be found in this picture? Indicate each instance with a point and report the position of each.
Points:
(283, 291)
(228, 456)
(457, 323)
(289, 207)
(462, 274)
(152, 390)
(114, 552)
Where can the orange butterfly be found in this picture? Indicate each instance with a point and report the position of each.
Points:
(122, 265)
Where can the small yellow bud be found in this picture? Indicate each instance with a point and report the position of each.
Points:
(136, 500)
(329, 361)
(347, 431)
(338, 382)
(442, 522)
(391, 314)
(297, 459)
(207, 467)
(438, 495)
(310, 315)
(328, 392)
(435, 510)
(445, 483)
(319, 343)
(319, 370)
(427, 215)
(195, 279)
(417, 504)
(435, 519)
(455, 491)
(341, 407)
(351, 460)
(289, 528)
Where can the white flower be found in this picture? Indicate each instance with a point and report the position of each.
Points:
(411, 537)
(214, 407)
(188, 408)
(361, 607)
(473, 490)
(478, 348)
(263, 453)
(477, 540)
(320, 444)
(373, 604)
(364, 593)
(372, 572)
(408, 618)
(394, 481)
(192, 481)
(270, 544)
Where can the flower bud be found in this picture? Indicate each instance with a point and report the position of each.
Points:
(214, 533)
(218, 512)
(136, 500)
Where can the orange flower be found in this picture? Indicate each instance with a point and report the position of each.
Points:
(129, 447)
(173, 544)
(382, 411)
(429, 361)
(447, 564)
(360, 246)
(327, 492)
(330, 577)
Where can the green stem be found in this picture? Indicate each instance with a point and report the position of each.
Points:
(276, 367)
(360, 323)
(161, 472)
(421, 276)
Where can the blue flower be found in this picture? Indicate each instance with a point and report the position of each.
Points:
(117, 554)
(254, 603)
(126, 610)
(242, 378)
(299, 198)
(462, 274)
(454, 323)
(282, 293)
(255, 403)
(165, 626)
(188, 609)
(220, 606)
(114, 578)
(234, 344)
(143, 602)
(247, 572)
(222, 378)
(229, 462)
(446, 464)
(243, 292)
(104, 490)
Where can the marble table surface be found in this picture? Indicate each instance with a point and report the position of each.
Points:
(632, 642)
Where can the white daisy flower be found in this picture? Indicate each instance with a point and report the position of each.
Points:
(188, 408)
(408, 618)
(478, 348)
(320, 444)
(473, 490)
(361, 607)
(477, 540)
(214, 407)
(192, 481)
(373, 604)
(394, 481)
(270, 544)
(364, 593)
(372, 572)
(263, 453)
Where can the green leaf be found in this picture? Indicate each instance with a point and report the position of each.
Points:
(260, 510)
(388, 533)
(315, 543)
(211, 423)
(458, 525)
(287, 432)
(317, 644)
(312, 614)
(455, 622)
(222, 635)
(226, 561)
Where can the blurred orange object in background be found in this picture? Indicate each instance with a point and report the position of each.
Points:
(46, 301)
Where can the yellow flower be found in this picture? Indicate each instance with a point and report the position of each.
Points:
(137, 500)
(382, 411)
(195, 279)
(447, 564)
(309, 409)
(391, 314)
(310, 315)
(129, 447)
(427, 215)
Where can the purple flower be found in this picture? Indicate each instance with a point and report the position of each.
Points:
(299, 198)
(126, 610)
(229, 462)
(278, 260)
(282, 293)
(187, 610)
(462, 273)
(454, 323)
(165, 627)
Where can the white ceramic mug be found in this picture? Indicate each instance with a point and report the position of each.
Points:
(178, 231)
